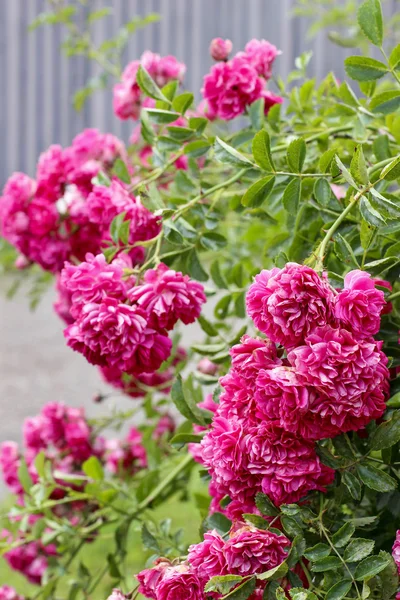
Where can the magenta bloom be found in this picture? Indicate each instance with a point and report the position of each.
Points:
(252, 550)
(116, 595)
(117, 335)
(127, 456)
(359, 305)
(230, 87)
(91, 282)
(270, 99)
(9, 465)
(286, 304)
(207, 558)
(149, 579)
(30, 558)
(50, 174)
(168, 296)
(261, 55)
(9, 593)
(349, 375)
(220, 49)
(180, 583)
(396, 550)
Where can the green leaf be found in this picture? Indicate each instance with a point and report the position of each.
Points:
(394, 401)
(369, 213)
(274, 573)
(243, 591)
(392, 170)
(148, 539)
(219, 522)
(274, 117)
(362, 68)
(182, 102)
(24, 476)
(389, 577)
(347, 95)
(345, 173)
(387, 205)
(197, 148)
(386, 102)
(344, 251)
(371, 22)
(228, 155)
(343, 535)
(115, 227)
(317, 552)
(159, 116)
(296, 155)
(148, 85)
(93, 468)
(322, 192)
(256, 113)
(326, 564)
(208, 349)
(338, 591)
(99, 14)
(169, 90)
(222, 307)
(178, 398)
(326, 159)
(222, 584)
(358, 549)
(376, 479)
(186, 438)
(258, 192)
(292, 195)
(370, 567)
(216, 275)
(301, 594)
(265, 506)
(387, 434)
(213, 241)
(262, 151)
(394, 58)
(206, 326)
(39, 462)
(194, 267)
(358, 166)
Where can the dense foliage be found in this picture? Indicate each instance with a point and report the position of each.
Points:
(280, 238)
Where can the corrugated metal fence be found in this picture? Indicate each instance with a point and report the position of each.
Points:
(37, 82)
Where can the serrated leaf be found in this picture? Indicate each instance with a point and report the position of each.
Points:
(392, 170)
(261, 148)
(358, 549)
(343, 535)
(265, 506)
(322, 191)
(291, 196)
(370, 567)
(182, 102)
(362, 68)
(148, 85)
(370, 20)
(222, 583)
(344, 251)
(338, 591)
(317, 552)
(274, 573)
(387, 434)
(228, 155)
(258, 192)
(370, 214)
(376, 479)
(256, 113)
(216, 275)
(148, 539)
(386, 102)
(243, 591)
(178, 398)
(345, 172)
(390, 207)
(194, 266)
(394, 58)
(326, 159)
(185, 438)
(296, 155)
(358, 166)
(326, 564)
(219, 522)
(161, 116)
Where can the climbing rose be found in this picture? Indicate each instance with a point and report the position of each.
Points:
(208, 558)
(396, 550)
(126, 456)
(150, 578)
(29, 558)
(91, 281)
(168, 296)
(117, 335)
(350, 377)
(250, 550)
(9, 593)
(261, 55)
(50, 173)
(116, 595)
(230, 87)
(220, 49)
(286, 304)
(359, 305)
(180, 583)
(9, 465)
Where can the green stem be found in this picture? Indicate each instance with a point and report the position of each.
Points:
(393, 296)
(158, 172)
(393, 71)
(315, 136)
(165, 483)
(208, 192)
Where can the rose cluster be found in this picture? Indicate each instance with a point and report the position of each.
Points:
(248, 551)
(328, 375)
(55, 217)
(9, 593)
(122, 325)
(66, 439)
(128, 99)
(232, 85)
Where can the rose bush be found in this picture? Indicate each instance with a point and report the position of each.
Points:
(281, 422)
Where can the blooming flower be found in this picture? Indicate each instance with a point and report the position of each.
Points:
(208, 558)
(126, 456)
(261, 55)
(9, 593)
(117, 335)
(168, 296)
(250, 550)
(396, 550)
(359, 305)
(180, 584)
(286, 304)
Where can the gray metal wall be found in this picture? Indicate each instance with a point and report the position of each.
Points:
(37, 82)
